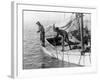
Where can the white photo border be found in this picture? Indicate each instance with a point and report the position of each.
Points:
(17, 63)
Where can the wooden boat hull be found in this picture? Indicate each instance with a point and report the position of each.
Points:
(70, 56)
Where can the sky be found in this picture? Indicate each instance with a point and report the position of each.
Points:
(49, 18)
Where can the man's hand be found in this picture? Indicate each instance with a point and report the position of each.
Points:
(38, 31)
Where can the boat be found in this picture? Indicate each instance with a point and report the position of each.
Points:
(53, 48)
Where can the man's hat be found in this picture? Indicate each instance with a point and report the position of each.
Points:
(57, 28)
(37, 22)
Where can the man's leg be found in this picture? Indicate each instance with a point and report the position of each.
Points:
(67, 40)
(62, 43)
(43, 38)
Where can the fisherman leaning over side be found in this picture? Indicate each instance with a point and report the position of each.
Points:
(42, 33)
(64, 35)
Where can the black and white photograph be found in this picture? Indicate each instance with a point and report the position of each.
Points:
(50, 39)
(56, 39)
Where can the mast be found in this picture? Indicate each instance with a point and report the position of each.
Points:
(78, 22)
(81, 30)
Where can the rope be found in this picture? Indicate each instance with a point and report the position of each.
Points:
(70, 23)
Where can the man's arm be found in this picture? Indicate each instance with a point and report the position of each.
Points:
(57, 35)
(38, 31)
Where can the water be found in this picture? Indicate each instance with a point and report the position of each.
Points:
(32, 56)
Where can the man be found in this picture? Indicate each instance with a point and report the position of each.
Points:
(42, 33)
(64, 36)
